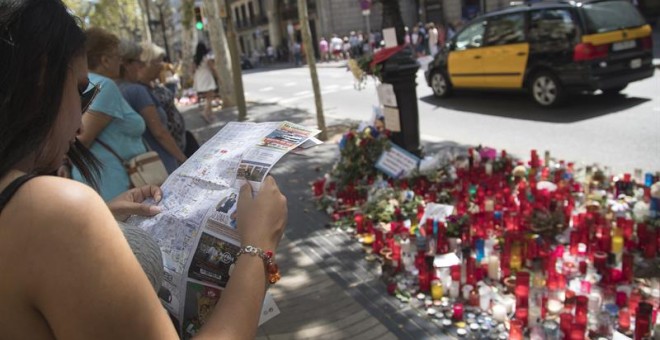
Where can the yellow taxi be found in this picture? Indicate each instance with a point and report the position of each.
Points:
(548, 49)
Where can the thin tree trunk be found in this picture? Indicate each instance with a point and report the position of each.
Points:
(187, 7)
(235, 61)
(219, 47)
(311, 61)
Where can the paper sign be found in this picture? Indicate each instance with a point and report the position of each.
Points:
(389, 35)
(437, 211)
(392, 122)
(397, 162)
(386, 95)
(446, 260)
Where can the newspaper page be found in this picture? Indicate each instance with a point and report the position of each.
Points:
(196, 229)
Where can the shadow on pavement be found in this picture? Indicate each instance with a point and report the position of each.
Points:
(520, 106)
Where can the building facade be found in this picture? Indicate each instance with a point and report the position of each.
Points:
(263, 23)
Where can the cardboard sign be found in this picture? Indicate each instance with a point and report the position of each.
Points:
(397, 162)
(392, 121)
(389, 36)
(386, 95)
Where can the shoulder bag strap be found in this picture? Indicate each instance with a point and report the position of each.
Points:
(107, 147)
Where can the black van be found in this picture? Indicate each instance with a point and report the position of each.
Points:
(549, 49)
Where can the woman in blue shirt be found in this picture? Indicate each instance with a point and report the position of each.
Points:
(139, 66)
(110, 119)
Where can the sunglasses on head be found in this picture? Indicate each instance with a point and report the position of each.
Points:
(87, 96)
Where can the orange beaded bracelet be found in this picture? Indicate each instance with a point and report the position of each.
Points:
(272, 270)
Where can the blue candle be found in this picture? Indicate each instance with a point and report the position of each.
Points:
(479, 243)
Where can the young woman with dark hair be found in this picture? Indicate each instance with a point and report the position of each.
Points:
(204, 79)
(67, 270)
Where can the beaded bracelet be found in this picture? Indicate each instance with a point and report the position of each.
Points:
(272, 269)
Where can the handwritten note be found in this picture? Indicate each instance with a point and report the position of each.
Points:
(397, 162)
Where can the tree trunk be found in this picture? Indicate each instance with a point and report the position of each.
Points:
(219, 47)
(235, 61)
(187, 8)
(311, 61)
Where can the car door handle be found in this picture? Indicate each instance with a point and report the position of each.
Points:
(477, 57)
(521, 54)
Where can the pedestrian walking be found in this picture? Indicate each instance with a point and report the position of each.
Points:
(205, 79)
(324, 49)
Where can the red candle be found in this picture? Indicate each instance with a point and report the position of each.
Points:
(424, 280)
(565, 322)
(624, 319)
(627, 267)
(359, 223)
(621, 299)
(577, 331)
(458, 312)
(522, 314)
(516, 330)
(600, 260)
(643, 320)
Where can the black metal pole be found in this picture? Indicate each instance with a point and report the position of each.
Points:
(401, 70)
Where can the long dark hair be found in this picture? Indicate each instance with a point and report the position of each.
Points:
(200, 52)
(38, 40)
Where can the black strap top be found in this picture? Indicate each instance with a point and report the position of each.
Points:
(12, 188)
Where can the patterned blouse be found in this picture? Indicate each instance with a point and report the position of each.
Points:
(175, 123)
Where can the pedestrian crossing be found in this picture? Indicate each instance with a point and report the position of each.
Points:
(267, 94)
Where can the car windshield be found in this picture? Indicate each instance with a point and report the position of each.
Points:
(608, 16)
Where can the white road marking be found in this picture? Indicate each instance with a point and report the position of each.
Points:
(347, 87)
(272, 100)
(289, 84)
(302, 93)
(266, 89)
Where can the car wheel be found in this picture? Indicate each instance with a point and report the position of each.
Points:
(440, 84)
(614, 90)
(546, 89)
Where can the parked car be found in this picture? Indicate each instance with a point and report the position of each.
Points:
(549, 50)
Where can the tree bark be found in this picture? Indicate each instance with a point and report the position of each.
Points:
(220, 51)
(235, 61)
(311, 62)
(187, 8)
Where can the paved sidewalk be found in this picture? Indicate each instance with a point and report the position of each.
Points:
(328, 290)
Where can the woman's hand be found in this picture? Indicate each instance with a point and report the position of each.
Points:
(261, 219)
(131, 202)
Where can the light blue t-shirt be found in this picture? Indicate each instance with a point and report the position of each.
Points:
(123, 134)
(139, 97)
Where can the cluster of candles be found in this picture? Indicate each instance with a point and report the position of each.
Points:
(515, 276)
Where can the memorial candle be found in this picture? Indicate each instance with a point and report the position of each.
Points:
(643, 320)
(494, 267)
(499, 312)
(516, 330)
(359, 223)
(458, 311)
(436, 289)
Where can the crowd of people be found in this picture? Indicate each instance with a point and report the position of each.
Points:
(76, 103)
(425, 39)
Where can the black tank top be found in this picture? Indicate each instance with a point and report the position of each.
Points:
(12, 188)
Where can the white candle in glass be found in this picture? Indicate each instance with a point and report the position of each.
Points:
(554, 306)
(494, 267)
(499, 312)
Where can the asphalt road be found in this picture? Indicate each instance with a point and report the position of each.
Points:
(622, 132)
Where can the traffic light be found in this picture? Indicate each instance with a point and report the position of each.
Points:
(199, 22)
